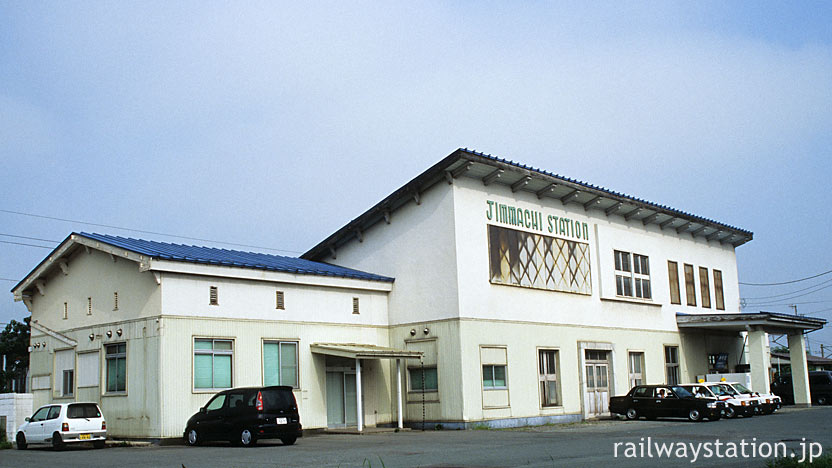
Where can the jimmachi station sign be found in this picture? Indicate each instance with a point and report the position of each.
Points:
(532, 219)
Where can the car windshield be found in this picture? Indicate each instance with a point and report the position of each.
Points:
(727, 390)
(83, 411)
(719, 390)
(681, 392)
(741, 388)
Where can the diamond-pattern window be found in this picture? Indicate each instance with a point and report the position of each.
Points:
(536, 261)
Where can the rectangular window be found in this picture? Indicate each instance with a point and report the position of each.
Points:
(212, 363)
(431, 380)
(213, 296)
(535, 261)
(671, 363)
(720, 299)
(89, 369)
(116, 367)
(493, 377)
(68, 385)
(636, 368)
(548, 377)
(632, 275)
(281, 303)
(673, 277)
(690, 287)
(280, 363)
(704, 287)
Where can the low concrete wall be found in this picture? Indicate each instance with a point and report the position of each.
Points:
(15, 408)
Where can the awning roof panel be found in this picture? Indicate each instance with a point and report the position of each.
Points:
(769, 321)
(363, 351)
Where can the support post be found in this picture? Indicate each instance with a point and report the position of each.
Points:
(359, 409)
(399, 393)
(757, 358)
(800, 370)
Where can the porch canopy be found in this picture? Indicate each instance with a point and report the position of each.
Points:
(757, 325)
(358, 352)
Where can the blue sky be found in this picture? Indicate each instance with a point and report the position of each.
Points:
(273, 124)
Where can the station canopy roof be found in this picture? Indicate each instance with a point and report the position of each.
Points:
(770, 322)
(520, 177)
(363, 351)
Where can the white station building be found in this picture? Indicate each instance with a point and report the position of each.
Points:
(483, 292)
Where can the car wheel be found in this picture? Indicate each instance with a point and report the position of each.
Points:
(99, 444)
(192, 437)
(57, 442)
(21, 441)
(246, 438)
(730, 412)
(822, 400)
(631, 414)
(288, 440)
(694, 415)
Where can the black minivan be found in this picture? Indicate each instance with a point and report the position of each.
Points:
(820, 386)
(245, 415)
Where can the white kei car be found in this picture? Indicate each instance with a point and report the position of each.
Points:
(735, 404)
(769, 402)
(63, 423)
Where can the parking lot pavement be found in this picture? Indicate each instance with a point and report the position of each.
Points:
(580, 444)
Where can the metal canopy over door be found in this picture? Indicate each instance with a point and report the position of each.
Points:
(596, 382)
(341, 406)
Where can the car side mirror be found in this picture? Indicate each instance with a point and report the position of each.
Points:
(28, 419)
(203, 410)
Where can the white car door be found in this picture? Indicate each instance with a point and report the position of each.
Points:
(53, 422)
(33, 430)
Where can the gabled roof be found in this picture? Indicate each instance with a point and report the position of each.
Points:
(519, 177)
(199, 254)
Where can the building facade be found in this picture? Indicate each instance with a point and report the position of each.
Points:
(500, 295)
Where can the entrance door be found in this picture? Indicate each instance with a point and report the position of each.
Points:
(596, 383)
(341, 408)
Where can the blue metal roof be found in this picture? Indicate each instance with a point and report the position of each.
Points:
(233, 258)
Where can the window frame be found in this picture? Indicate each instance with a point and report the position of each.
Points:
(704, 287)
(630, 276)
(280, 343)
(719, 293)
(64, 391)
(544, 377)
(690, 285)
(114, 357)
(630, 373)
(675, 290)
(212, 352)
(418, 389)
(674, 366)
(493, 377)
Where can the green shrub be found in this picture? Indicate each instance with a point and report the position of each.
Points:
(824, 461)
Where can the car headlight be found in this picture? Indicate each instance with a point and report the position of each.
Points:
(712, 405)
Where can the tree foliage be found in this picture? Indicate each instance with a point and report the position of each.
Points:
(14, 344)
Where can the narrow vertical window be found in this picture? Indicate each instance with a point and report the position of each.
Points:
(671, 363)
(720, 299)
(89, 306)
(636, 368)
(355, 310)
(280, 363)
(548, 377)
(641, 276)
(673, 277)
(68, 384)
(66, 310)
(623, 274)
(116, 365)
(690, 286)
(279, 300)
(212, 296)
(115, 301)
(705, 287)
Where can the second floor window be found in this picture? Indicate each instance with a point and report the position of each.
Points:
(632, 275)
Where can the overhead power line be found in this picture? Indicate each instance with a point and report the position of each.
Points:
(27, 245)
(9, 279)
(783, 282)
(109, 226)
(789, 293)
(30, 238)
(804, 294)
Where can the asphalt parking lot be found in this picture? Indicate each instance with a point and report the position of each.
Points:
(581, 444)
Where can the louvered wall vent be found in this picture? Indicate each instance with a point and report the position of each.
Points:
(355, 305)
(115, 301)
(89, 306)
(212, 299)
(280, 300)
